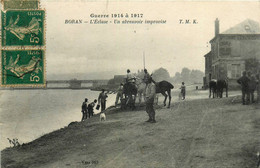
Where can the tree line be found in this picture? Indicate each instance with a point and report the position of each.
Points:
(186, 75)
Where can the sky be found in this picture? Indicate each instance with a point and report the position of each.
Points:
(103, 50)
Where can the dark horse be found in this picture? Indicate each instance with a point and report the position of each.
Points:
(164, 88)
(216, 87)
(130, 92)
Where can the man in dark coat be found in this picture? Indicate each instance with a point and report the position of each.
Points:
(252, 86)
(243, 81)
(84, 110)
(102, 99)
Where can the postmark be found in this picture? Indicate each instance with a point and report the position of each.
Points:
(23, 28)
(20, 4)
(21, 68)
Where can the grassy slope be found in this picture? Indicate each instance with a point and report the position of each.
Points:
(202, 133)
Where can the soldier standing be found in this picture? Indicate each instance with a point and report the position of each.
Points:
(102, 99)
(84, 110)
(150, 93)
(252, 86)
(243, 81)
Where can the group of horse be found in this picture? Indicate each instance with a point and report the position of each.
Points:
(131, 91)
(216, 87)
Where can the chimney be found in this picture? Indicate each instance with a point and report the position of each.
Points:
(216, 27)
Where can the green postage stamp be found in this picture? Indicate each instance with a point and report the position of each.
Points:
(20, 4)
(22, 68)
(23, 28)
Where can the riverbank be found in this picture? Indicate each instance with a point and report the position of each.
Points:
(29, 114)
(195, 133)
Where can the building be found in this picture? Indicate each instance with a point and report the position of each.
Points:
(232, 52)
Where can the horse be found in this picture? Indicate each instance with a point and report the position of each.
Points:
(213, 88)
(217, 86)
(221, 84)
(130, 92)
(141, 85)
(164, 87)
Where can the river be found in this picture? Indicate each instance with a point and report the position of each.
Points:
(29, 114)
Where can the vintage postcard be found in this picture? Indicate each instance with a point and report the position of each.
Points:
(130, 84)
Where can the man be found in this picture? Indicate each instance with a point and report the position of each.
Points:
(252, 87)
(150, 93)
(130, 78)
(91, 108)
(119, 93)
(183, 90)
(243, 81)
(102, 99)
(84, 110)
(146, 76)
(258, 87)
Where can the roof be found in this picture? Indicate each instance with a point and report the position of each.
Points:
(208, 54)
(246, 27)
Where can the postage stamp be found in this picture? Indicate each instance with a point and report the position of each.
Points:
(23, 28)
(20, 4)
(22, 68)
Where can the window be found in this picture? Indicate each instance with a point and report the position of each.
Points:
(235, 71)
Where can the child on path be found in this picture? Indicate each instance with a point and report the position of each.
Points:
(183, 90)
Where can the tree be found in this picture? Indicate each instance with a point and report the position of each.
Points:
(111, 82)
(185, 73)
(161, 74)
(177, 78)
(196, 76)
(188, 76)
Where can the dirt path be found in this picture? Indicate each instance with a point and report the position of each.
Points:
(202, 133)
